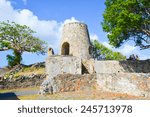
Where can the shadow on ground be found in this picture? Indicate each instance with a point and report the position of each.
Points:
(8, 96)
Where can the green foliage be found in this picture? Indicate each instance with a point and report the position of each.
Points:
(14, 60)
(108, 54)
(19, 38)
(127, 19)
(11, 60)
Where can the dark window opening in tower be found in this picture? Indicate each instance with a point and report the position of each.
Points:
(65, 49)
(90, 50)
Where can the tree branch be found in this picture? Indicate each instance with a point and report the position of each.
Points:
(4, 49)
(144, 47)
(147, 32)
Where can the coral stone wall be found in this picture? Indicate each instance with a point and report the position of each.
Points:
(129, 66)
(137, 84)
(69, 82)
(130, 83)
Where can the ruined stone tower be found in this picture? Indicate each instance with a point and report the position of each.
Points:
(80, 72)
(75, 40)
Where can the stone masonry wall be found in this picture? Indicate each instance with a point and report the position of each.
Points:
(68, 73)
(59, 65)
(70, 82)
(137, 84)
(88, 66)
(62, 64)
(22, 81)
(56, 65)
(129, 66)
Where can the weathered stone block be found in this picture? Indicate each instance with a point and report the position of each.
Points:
(62, 64)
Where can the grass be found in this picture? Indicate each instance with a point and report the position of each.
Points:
(20, 89)
(29, 97)
(30, 70)
(26, 71)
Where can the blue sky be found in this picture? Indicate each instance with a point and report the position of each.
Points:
(47, 17)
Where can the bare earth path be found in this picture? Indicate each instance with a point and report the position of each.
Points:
(28, 92)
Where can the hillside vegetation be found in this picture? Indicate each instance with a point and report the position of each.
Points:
(103, 52)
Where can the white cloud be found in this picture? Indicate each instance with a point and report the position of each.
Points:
(47, 30)
(127, 49)
(93, 37)
(72, 19)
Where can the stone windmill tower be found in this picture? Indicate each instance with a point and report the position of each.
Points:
(75, 40)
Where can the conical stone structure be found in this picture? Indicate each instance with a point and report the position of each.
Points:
(75, 40)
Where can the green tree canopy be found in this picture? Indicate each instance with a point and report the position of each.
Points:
(127, 20)
(105, 53)
(19, 38)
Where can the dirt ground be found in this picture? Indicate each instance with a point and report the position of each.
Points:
(91, 95)
(22, 94)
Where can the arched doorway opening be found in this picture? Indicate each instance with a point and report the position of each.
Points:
(65, 49)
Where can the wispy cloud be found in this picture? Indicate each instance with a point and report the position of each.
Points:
(126, 49)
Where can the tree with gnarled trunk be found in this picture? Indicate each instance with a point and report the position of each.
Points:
(19, 38)
(127, 20)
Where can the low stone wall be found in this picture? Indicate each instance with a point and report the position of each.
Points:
(128, 66)
(22, 81)
(111, 66)
(137, 84)
(69, 82)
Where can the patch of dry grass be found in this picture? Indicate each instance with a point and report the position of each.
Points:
(29, 97)
(20, 89)
(31, 70)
